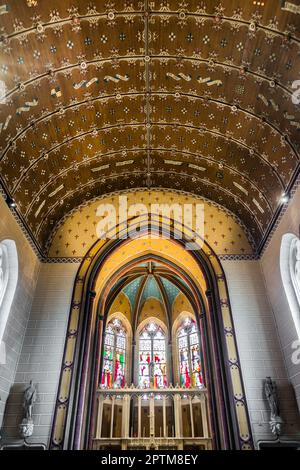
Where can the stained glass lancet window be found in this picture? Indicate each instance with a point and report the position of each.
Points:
(190, 367)
(113, 370)
(152, 357)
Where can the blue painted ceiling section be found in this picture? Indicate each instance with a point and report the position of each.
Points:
(132, 289)
(171, 290)
(151, 289)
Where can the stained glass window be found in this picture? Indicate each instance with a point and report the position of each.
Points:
(113, 370)
(152, 357)
(190, 367)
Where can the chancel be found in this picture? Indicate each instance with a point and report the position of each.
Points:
(149, 226)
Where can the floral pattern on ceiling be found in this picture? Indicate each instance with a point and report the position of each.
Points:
(77, 232)
(106, 96)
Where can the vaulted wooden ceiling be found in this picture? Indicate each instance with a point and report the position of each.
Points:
(193, 95)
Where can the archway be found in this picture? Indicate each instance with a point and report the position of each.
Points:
(95, 289)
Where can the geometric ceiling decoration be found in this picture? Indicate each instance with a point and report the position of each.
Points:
(154, 282)
(76, 232)
(106, 96)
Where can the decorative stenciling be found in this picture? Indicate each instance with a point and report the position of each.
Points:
(179, 76)
(230, 238)
(4, 9)
(116, 78)
(4, 125)
(196, 167)
(27, 106)
(173, 162)
(275, 106)
(209, 82)
(125, 163)
(39, 209)
(241, 188)
(100, 168)
(291, 118)
(258, 206)
(288, 6)
(63, 46)
(56, 190)
(85, 83)
(268, 102)
(56, 92)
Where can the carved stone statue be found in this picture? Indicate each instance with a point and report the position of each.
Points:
(270, 390)
(27, 426)
(29, 400)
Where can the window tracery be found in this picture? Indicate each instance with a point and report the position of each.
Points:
(190, 367)
(114, 355)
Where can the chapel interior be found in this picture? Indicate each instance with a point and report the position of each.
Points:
(177, 326)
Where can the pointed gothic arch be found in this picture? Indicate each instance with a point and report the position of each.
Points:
(74, 416)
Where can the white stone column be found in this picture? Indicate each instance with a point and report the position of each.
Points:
(204, 415)
(112, 416)
(99, 417)
(192, 416)
(152, 416)
(125, 416)
(164, 417)
(139, 416)
(177, 415)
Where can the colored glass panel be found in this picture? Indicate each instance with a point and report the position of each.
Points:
(152, 357)
(113, 369)
(190, 367)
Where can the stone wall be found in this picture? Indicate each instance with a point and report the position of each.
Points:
(270, 264)
(259, 347)
(41, 355)
(21, 306)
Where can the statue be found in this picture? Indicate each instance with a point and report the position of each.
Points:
(270, 390)
(29, 400)
(27, 426)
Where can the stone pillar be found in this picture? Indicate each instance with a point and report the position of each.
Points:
(192, 416)
(99, 417)
(164, 417)
(204, 415)
(125, 416)
(152, 416)
(112, 416)
(177, 415)
(139, 416)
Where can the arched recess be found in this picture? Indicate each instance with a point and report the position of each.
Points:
(95, 290)
(8, 283)
(290, 274)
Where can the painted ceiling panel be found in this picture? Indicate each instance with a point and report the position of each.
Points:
(107, 96)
